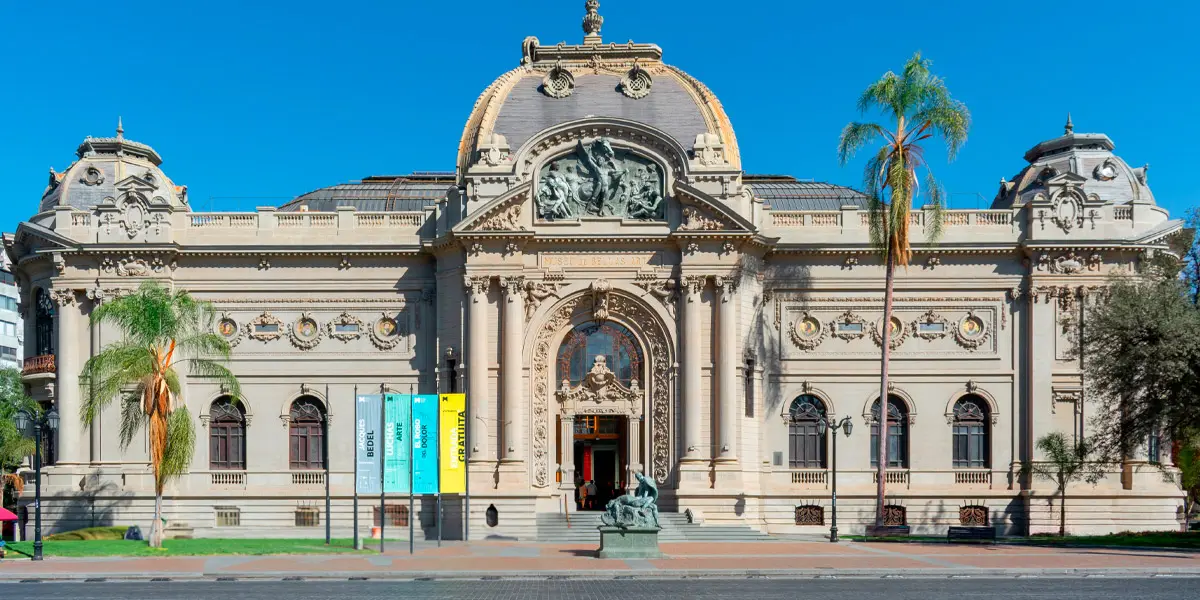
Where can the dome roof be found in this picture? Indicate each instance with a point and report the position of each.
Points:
(1085, 155)
(561, 83)
(106, 168)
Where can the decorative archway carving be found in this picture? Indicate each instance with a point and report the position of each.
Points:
(653, 332)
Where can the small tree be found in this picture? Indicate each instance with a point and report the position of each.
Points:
(1188, 463)
(163, 331)
(14, 445)
(1065, 463)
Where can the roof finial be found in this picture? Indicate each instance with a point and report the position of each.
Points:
(592, 22)
(1069, 127)
(120, 130)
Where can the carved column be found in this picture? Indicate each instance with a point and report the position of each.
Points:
(477, 363)
(689, 359)
(66, 349)
(510, 365)
(566, 469)
(634, 451)
(727, 356)
(97, 296)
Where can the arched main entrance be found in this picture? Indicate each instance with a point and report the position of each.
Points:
(600, 353)
(600, 370)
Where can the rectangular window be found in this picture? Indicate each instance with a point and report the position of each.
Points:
(7, 277)
(397, 516)
(266, 328)
(8, 303)
(8, 328)
(8, 352)
(1154, 449)
(345, 327)
(229, 516)
(308, 517)
(897, 447)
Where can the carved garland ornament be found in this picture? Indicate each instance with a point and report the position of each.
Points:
(694, 220)
(508, 219)
(544, 390)
(265, 327)
(849, 326)
(807, 331)
(345, 327)
(305, 333)
(227, 328)
(899, 332)
(971, 332)
(931, 326)
(385, 332)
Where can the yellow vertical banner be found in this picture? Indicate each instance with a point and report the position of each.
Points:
(454, 443)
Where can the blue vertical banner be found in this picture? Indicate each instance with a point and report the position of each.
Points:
(424, 454)
(367, 411)
(397, 445)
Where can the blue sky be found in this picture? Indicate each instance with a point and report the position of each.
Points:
(253, 103)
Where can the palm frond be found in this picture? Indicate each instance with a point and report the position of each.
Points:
(214, 370)
(883, 94)
(180, 445)
(935, 209)
(855, 136)
(132, 418)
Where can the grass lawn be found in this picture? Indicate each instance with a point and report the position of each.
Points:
(1149, 539)
(200, 547)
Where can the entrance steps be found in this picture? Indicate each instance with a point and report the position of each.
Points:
(552, 528)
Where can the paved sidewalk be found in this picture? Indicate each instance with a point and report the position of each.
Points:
(514, 559)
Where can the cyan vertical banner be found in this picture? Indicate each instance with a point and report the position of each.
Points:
(397, 447)
(454, 444)
(425, 430)
(367, 411)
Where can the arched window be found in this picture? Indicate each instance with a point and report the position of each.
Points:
(226, 436)
(897, 428)
(306, 435)
(806, 445)
(43, 323)
(971, 433)
(622, 353)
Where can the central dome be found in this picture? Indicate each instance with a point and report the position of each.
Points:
(562, 83)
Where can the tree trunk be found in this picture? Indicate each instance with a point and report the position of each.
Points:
(1062, 512)
(156, 528)
(882, 418)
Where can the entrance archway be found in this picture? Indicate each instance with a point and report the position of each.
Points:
(644, 402)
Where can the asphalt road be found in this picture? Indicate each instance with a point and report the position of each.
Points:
(1092, 588)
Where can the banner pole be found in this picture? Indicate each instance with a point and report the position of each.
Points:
(412, 461)
(325, 456)
(382, 466)
(437, 447)
(354, 423)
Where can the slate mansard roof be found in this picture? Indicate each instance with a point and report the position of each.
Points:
(385, 193)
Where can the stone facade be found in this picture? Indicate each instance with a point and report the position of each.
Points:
(598, 186)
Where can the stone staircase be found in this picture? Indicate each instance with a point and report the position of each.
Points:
(552, 527)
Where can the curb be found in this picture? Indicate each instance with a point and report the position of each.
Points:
(608, 575)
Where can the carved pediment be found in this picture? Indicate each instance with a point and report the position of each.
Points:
(700, 212)
(600, 393)
(505, 213)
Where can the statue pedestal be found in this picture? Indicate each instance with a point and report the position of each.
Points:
(631, 542)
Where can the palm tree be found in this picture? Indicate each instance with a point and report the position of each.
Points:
(918, 107)
(163, 330)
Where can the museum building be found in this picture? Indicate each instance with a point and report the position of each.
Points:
(614, 293)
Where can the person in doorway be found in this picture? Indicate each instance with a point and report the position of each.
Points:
(591, 491)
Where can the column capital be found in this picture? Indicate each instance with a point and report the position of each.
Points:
(726, 285)
(692, 286)
(63, 297)
(513, 286)
(477, 285)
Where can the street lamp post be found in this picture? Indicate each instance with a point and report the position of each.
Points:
(826, 425)
(40, 423)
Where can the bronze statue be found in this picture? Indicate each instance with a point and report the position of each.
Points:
(638, 510)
